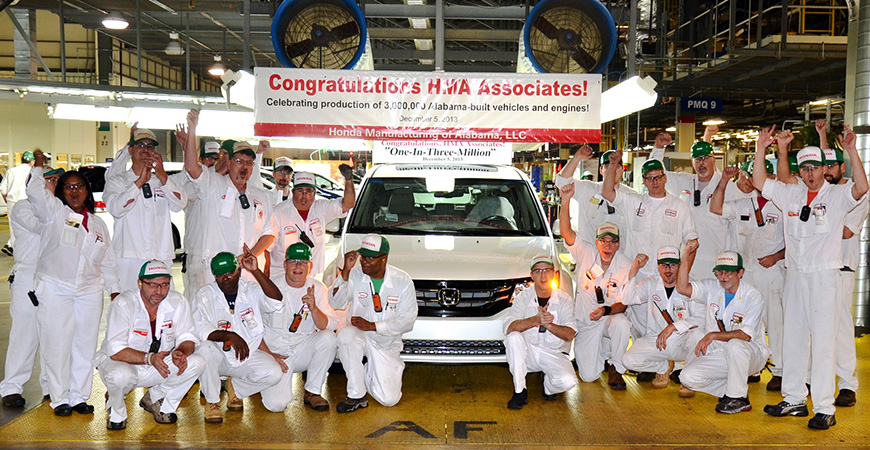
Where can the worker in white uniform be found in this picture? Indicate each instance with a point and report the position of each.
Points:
(196, 273)
(150, 340)
(229, 323)
(592, 209)
(538, 329)
(282, 170)
(815, 214)
(76, 262)
(238, 213)
(301, 335)
(12, 187)
(381, 306)
(733, 347)
(305, 218)
(759, 238)
(141, 202)
(23, 337)
(670, 334)
(696, 190)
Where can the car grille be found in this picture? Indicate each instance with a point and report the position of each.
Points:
(471, 298)
(436, 347)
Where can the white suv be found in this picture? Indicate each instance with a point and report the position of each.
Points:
(466, 234)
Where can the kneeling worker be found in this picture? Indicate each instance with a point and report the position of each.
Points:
(228, 319)
(150, 338)
(538, 331)
(301, 335)
(728, 354)
(381, 306)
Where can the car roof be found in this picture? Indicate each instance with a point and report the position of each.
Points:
(454, 170)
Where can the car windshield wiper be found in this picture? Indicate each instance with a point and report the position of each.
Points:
(492, 232)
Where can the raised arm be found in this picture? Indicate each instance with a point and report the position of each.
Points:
(709, 132)
(568, 233)
(683, 285)
(582, 154)
(759, 173)
(608, 187)
(188, 138)
(718, 198)
(859, 175)
(349, 197)
(822, 130)
(783, 171)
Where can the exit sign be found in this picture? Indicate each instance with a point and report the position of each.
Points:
(696, 104)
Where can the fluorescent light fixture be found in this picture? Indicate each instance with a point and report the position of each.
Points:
(238, 88)
(632, 95)
(712, 122)
(70, 111)
(174, 47)
(423, 44)
(226, 124)
(419, 24)
(825, 101)
(158, 118)
(416, 2)
(115, 21)
(166, 8)
(671, 129)
(217, 69)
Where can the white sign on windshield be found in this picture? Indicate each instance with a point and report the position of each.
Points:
(457, 152)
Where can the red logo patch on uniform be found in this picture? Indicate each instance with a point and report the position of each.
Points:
(671, 212)
(656, 298)
(362, 295)
(141, 332)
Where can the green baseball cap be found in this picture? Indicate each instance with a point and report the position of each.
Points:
(210, 148)
(605, 157)
(298, 252)
(701, 148)
(143, 134)
(650, 165)
(48, 171)
(224, 262)
(792, 163)
(750, 164)
(154, 269)
(542, 258)
(303, 179)
(729, 261)
(668, 254)
(832, 155)
(373, 245)
(811, 155)
(27, 156)
(607, 229)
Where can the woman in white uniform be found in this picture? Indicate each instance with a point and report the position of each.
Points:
(75, 263)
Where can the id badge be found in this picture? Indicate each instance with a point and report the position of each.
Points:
(819, 213)
(71, 229)
(249, 320)
(392, 303)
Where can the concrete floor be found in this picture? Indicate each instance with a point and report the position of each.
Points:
(443, 407)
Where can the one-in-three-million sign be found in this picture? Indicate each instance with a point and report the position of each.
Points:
(428, 106)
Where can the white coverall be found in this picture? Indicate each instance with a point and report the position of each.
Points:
(306, 349)
(723, 370)
(278, 195)
(288, 223)
(143, 230)
(754, 242)
(75, 264)
(211, 312)
(382, 374)
(12, 186)
(533, 351)
(128, 326)
(23, 337)
(846, 356)
(196, 274)
(593, 209)
(227, 225)
(591, 349)
(714, 234)
(813, 258)
(643, 356)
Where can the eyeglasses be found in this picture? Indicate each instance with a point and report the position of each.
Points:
(547, 271)
(144, 145)
(831, 166)
(52, 180)
(297, 262)
(211, 157)
(724, 273)
(154, 285)
(370, 259)
(810, 168)
(668, 265)
(70, 187)
(304, 191)
(703, 158)
(245, 162)
(608, 242)
(653, 179)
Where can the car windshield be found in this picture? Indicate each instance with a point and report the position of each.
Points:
(474, 207)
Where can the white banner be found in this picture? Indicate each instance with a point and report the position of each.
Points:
(428, 106)
(499, 153)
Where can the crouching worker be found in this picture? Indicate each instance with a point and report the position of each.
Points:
(381, 307)
(150, 338)
(300, 335)
(734, 347)
(538, 331)
(228, 319)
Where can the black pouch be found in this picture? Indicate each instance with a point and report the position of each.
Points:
(33, 298)
(146, 191)
(243, 199)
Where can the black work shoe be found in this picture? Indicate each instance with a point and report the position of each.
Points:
(63, 410)
(17, 401)
(352, 404)
(114, 425)
(845, 398)
(754, 378)
(549, 397)
(614, 379)
(822, 421)
(775, 384)
(646, 376)
(784, 408)
(728, 405)
(7, 249)
(675, 376)
(519, 400)
(83, 408)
